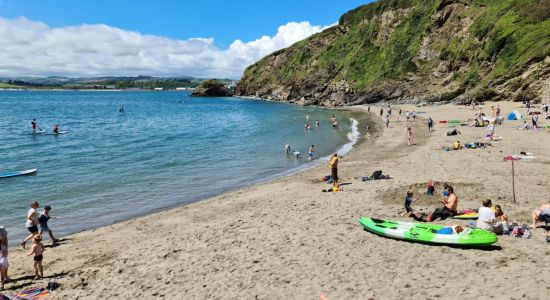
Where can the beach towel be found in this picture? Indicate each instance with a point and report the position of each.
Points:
(30, 294)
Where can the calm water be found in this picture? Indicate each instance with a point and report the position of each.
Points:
(166, 149)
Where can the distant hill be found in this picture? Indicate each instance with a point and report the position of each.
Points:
(105, 82)
(414, 50)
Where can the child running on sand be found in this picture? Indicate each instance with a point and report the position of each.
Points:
(43, 221)
(408, 202)
(37, 250)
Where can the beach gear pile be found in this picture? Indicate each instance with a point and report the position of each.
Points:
(376, 175)
(457, 146)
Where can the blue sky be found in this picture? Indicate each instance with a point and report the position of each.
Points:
(223, 21)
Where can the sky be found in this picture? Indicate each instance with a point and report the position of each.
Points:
(204, 38)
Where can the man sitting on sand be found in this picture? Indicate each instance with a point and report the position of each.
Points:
(449, 207)
(542, 214)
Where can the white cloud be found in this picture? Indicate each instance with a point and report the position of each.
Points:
(34, 48)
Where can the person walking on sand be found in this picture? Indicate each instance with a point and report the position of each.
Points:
(407, 115)
(534, 119)
(409, 135)
(37, 251)
(333, 164)
(311, 152)
(387, 121)
(430, 124)
(32, 222)
(389, 110)
(43, 219)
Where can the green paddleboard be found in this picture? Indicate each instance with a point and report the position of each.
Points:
(426, 233)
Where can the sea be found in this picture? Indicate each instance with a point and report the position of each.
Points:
(165, 149)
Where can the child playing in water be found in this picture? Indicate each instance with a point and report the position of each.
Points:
(37, 250)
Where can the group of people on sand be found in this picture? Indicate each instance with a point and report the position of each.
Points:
(489, 217)
(34, 126)
(36, 224)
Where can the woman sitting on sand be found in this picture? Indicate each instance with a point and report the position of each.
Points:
(499, 214)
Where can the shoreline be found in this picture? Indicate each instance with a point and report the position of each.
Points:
(308, 165)
(286, 239)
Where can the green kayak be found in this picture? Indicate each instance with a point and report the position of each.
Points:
(426, 233)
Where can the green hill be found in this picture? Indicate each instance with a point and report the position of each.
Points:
(414, 50)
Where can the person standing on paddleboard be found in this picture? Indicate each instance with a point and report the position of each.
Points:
(34, 126)
(56, 129)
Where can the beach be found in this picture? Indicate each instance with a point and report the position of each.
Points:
(286, 239)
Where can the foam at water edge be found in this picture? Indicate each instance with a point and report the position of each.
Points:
(353, 137)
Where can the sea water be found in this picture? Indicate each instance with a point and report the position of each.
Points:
(165, 149)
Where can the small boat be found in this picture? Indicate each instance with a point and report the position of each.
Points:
(17, 173)
(428, 233)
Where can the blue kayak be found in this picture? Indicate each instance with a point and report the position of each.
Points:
(17, 173)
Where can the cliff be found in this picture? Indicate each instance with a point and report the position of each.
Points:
(415, 50)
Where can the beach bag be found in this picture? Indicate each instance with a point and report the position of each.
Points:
(452, 132)
(376, 175)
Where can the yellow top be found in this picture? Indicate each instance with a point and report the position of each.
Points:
(333, 162)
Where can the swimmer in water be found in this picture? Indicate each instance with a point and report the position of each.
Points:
(317, 123)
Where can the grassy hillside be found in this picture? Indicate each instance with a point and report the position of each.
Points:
(476, 47)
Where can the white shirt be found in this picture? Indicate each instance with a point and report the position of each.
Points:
(485, 217)
(32, 215)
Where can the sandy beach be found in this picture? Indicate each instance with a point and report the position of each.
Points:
(288, 240)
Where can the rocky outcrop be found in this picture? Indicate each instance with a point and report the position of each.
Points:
(211, 88)
(413, 51)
